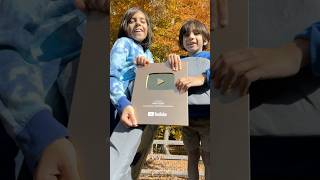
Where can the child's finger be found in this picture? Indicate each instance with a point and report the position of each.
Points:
(186, 86)
(147, 62)
(125, 120)
(182, 85)
(175, 64)
(179, 85)
(141, 59)
(248, 78)
(171, 61)
(137, 61)
(133, 119)
(227, 82)
(180, 64)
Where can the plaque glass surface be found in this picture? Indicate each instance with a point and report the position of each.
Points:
(160, 81)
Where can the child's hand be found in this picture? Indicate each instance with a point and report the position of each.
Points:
(238, 69)
(128, 117)
(175, 62)
(141, 61)
(58, 161)
(184, 83)
(89, 5)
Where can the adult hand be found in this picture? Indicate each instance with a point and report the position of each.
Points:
(175, 62)
(58, 162)
(184, 83)
(223, 13)
(128, 117)
(238, 69)
(89, 5)
(141, 61)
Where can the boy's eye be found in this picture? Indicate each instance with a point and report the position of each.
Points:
(186, 34)
(196, 32)
(131, 21)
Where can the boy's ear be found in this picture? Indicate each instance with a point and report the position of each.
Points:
(205, 42)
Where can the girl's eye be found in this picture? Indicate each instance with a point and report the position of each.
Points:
(131, 21)
(143, 21)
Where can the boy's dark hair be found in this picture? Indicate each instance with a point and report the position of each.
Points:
(146, 43)
(193, 25)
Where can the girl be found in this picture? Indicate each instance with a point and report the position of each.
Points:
(131, 49)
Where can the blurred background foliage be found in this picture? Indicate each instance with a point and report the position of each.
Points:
(167, 17)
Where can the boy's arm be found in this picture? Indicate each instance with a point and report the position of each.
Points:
(184, 83)
(309, 43)
(175, 62)
(207, 74)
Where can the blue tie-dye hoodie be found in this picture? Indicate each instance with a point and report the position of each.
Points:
(37, 38)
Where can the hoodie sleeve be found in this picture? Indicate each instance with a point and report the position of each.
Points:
(312, 33)
(25, 115)
(120, 68)
(23, 111)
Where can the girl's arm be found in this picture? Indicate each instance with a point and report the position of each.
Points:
(119, 71)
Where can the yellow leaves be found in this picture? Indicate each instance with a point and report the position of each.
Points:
(167, 17)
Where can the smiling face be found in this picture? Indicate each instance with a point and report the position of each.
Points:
(193, 42)
(193, 37)
(138, 27)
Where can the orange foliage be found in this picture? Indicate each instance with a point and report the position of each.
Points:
(167, 17)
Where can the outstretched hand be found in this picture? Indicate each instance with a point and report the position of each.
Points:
(58, 162)
(238, 69)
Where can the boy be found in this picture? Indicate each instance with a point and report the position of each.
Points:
(194, 38)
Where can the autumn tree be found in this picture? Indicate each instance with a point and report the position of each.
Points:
(167, 17)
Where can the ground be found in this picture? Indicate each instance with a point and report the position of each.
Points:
(161, 169)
